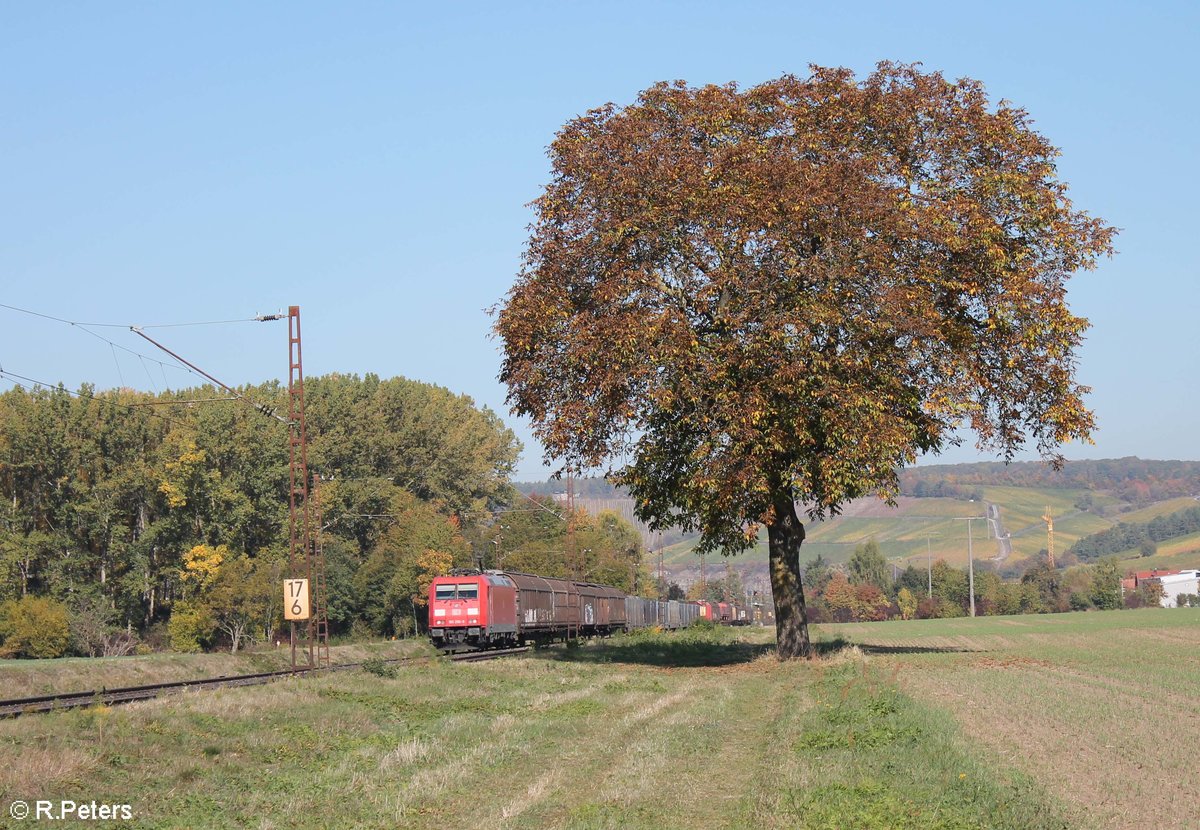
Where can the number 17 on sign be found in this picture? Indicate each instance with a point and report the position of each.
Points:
(295, 599)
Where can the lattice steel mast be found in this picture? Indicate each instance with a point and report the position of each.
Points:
(305, 559)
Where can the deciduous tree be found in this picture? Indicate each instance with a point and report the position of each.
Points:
(868, 567)
(753, 299)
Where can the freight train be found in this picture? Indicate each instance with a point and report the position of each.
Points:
(499, 609)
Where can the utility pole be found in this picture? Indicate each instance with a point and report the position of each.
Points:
(572, 564)
(970, 569)
(662, 582)
(304, 588)
(929, 551)
(1049, 520)
(633, 569)
(971, 555)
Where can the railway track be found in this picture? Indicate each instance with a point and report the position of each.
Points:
(108, 697)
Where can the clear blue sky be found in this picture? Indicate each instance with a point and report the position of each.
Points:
(372, 162)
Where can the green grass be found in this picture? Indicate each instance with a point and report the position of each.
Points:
(898, 764)
(1162, 508)
(1077, 701)
(1000, 722)
(29, 678)
(699, 728)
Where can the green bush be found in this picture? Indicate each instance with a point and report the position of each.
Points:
(34, 627)
(379, 668)
(190, 627)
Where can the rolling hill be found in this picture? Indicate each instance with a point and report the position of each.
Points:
(1085, 498)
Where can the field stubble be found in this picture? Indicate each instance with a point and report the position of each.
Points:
(1098, 707)
(654, 730)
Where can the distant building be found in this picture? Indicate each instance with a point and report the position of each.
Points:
(1176, 583)
(1142, 576)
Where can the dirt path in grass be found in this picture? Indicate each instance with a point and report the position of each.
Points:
(627, 763)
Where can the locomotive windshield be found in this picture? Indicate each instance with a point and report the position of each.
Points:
(468, 591)
(444, 592)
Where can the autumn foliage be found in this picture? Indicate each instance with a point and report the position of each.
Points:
(742, 300)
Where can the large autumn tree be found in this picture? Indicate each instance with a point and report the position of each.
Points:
(741, 301)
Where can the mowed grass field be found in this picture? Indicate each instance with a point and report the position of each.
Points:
(1099, 707)
(31, 678)
(1082, 720)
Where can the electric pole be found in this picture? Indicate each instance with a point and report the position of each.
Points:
(929, 552)
(572, 564)
(971, 555)
(1049, 520)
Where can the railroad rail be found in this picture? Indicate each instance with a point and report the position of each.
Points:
(129, 694)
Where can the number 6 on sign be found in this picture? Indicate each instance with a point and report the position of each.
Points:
(295, 599)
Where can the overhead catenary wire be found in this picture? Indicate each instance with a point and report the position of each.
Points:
(84, 327)
(21, 380)
(538, 507)
(258, 318)
(180, 401)
(269, 411)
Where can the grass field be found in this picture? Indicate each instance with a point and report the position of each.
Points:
(1099, 707)
(1161, 508)
(1180, 552)
(1029, 722)
(30, 678)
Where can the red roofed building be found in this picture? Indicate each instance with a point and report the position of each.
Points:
(1141, 576)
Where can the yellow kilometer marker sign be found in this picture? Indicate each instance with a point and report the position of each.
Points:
(295, 599)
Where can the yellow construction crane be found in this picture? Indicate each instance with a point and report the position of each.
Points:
(1049, 520)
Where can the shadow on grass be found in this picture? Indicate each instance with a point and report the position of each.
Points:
(828, 647)
(869, 648)
(839, 643)
(662, 651)
(685, 651)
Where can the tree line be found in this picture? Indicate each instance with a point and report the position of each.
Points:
(1142, 536)
(1134, 480)
(162, 519)
(867, 589)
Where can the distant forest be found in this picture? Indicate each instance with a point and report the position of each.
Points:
(588, 488)
(1131, 479)
(1143, 535)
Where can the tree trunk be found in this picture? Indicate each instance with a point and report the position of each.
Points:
(785, 534)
